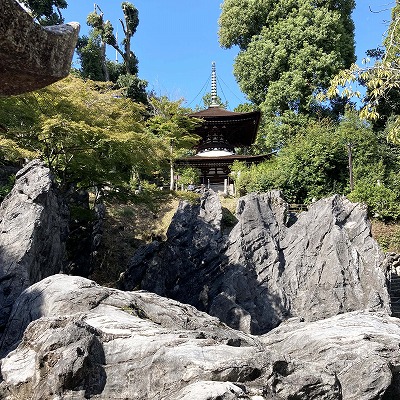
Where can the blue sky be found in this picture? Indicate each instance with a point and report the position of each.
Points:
(177, 40)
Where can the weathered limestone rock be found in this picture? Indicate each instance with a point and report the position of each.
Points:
(272, 266)
(182, 267)
(358, 353)
(94, 341)
(32, 234)
(86, 341)
(32, 56)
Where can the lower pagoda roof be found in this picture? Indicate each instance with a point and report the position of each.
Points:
(201, 161)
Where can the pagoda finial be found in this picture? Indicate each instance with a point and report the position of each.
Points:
(214, 97)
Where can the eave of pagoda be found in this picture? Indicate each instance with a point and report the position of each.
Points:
(238, 129)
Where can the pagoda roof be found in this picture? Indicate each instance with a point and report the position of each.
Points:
(201, 161)
(213, 112)
(241, 128)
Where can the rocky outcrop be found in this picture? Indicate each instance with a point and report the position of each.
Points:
(352, 356)
(33, 230)
(91, 341)
(32, 56)
(86, 341)
(272, 266)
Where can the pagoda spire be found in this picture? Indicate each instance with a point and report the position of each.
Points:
(214, 96)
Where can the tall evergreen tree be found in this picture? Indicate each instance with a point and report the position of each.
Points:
(289, 49)
(90, 56)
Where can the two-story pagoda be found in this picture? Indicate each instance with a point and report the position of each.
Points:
(221, 132)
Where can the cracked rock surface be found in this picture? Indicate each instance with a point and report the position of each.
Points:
(272, 266)
(33, 227)
(85, 341)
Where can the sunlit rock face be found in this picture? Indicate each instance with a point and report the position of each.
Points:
(272, 266)
(33, 224)
(84, 341)
(32, 56)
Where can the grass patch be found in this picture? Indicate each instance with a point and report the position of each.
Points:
(128, 226)
(387, 235)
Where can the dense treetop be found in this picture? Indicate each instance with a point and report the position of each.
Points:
(289, 49)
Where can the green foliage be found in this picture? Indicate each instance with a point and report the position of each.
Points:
(106, 31)
(382, 81)
(131, 16)
(90, 56)
(170, 122)
(289, 49)
(46, 12)
(313, 165)
(86, 132)
(382, 201)
(188, 176)
(133, 88)
(115, 70)
(274, 133)
(207, 101)
(5, 188)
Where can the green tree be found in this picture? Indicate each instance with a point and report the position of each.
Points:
(289, 50)
(382, 81)
(207, 101)
(106, 31)
(170, 122)
(90, 56)
(46, 12)
(92, 53)
(133, 88)
(188, 176)
(312, 165)
(85, 131)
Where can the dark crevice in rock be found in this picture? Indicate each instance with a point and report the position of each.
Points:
(266, 270)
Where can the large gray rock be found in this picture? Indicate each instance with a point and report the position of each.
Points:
(86, 341)
(272, 266)
(33, 231)
(352, 356)
(32, 56)
(91, 341)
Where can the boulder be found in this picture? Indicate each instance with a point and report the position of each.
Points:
(32, 56)
(33, 231)
(352, 356)
(273, 265)
(89, 341)
(86, 341)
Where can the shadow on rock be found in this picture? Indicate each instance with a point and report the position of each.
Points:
(270, 267)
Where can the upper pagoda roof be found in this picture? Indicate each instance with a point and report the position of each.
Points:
(240, 128)
(215, 112)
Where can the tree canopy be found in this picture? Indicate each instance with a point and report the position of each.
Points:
(289, 49)
(91, 51)
(105, 30)
(382, 81)
(46, 12)
(88, 134)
